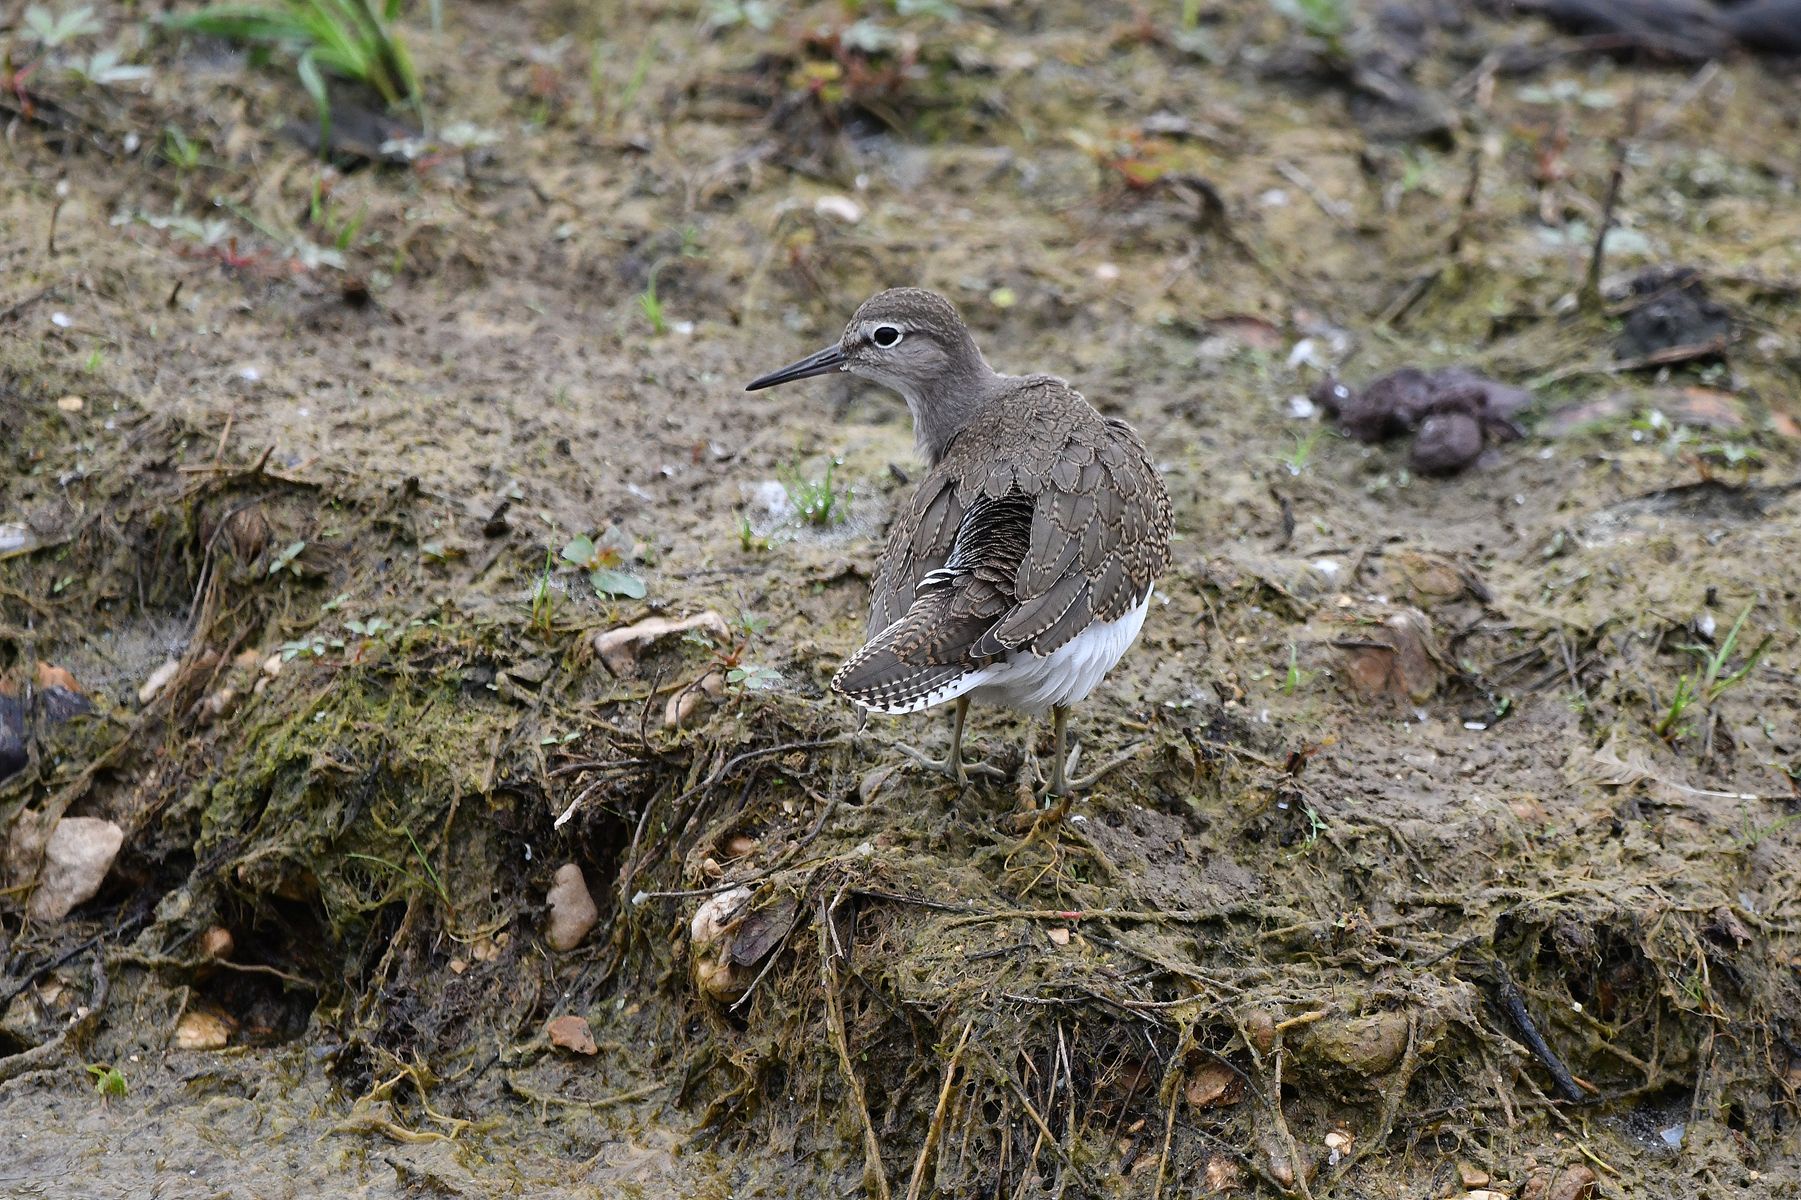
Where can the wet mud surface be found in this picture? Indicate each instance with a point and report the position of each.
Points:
(1458, 851)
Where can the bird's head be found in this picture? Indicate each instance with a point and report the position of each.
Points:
(907, 339)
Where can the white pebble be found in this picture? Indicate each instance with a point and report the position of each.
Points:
(842, 208)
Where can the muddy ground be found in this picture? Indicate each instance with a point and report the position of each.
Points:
(1459, 852)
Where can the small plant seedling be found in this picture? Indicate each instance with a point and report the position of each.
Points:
(758, 14)
(544, 599)
(285, 560)
(1714, 679)
(1316, 825)
(53, 29)
(1750, 835)
(182, 152)
(753, 679)
(1327, 20)
(312, 647)
(1669, 725)
(748, 539)
(105, 68)
(349, 39)
(818, 501)
(1296, 460)
(374, 627)
(651, 306)
(1295, 677)
(108, 1081)
(635, 84)
(602, 562)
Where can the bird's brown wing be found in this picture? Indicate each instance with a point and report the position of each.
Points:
(929, 646)
(919, 542)
(1016, 542)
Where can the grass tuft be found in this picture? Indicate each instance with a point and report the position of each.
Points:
(344, 39)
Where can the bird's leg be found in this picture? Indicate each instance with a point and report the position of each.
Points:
(952, 764)
(1063, 763)
(1059, 762)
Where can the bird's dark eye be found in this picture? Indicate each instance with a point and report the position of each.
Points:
(885, 335)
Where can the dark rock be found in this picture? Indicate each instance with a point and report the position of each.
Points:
(1390, 406)
(1447, 442)
(1673, 313)
(1451, 412)
(51, 706)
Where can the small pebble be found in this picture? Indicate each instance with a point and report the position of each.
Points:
(159, 679)
(841, 208)
(201, 1031)
(77, 857)
(571, 1033)
(572, 911)
(217, 942)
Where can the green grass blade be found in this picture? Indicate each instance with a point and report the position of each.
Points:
(314, 82)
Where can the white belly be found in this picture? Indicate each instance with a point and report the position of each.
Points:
(1035, 683)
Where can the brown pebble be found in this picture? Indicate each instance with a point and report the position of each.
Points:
(1574, 1182)
(217, 943)
(1368, 1045)
(201, 1031)
(1213, 1085)
(572, 910)
(571, 1033)
(1222, 1174)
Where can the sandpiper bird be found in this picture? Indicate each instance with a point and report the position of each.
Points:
(1021, 569)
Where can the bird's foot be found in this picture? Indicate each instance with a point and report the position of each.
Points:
(958, 769)
(1064, 783)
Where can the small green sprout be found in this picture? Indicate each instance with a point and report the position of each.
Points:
(753, 679)
(602, 562)
(182, 152)
(544, 598)
(51, 30)
(1327, 20)
(748, 539)
(1669, 725)
(651, 305)
(1296, 460)
(356, 40)
(285, 560)
(1714, 680)
(818, 501)
(108, 1081)
(1292, 682)
(1711, 680)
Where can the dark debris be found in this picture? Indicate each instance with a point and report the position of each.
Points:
(1451, 413)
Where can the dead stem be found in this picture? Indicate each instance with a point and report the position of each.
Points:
(873, 1172)
(936, 1129)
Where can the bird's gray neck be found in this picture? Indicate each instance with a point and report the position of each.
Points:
(942, 407)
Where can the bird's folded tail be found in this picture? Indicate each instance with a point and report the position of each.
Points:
(893, 672)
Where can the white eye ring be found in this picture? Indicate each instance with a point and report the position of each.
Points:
(893, 336)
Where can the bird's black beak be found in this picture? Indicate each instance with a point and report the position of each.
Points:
(829, 359)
